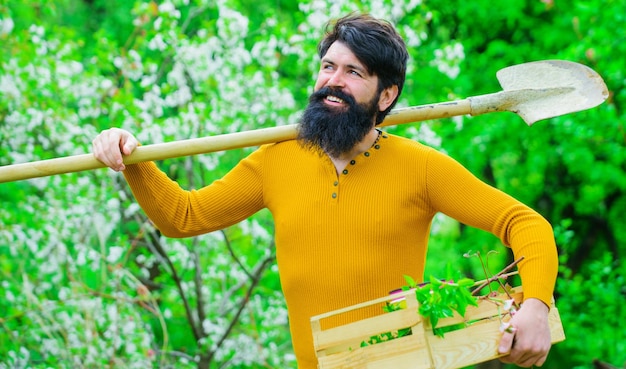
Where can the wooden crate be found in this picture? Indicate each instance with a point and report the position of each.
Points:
(340, 347)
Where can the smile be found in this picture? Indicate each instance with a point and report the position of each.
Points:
(334, 99)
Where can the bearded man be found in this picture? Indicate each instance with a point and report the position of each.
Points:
(349, 200)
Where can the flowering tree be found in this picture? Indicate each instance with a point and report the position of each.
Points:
(87, 280)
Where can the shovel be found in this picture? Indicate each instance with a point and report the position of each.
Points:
(535, 91)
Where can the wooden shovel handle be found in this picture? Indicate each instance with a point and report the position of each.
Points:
(203, 145)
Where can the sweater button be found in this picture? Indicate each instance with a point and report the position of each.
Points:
(345, 171)
(334, 195)
(366, 153)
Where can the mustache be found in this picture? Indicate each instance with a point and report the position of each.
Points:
(325, 91)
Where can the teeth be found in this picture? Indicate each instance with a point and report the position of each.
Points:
(334, 99)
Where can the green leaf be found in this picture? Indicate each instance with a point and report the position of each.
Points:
(435, 281)
(465, 282)
(410, 281)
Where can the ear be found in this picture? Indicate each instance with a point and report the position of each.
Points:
(387, 97)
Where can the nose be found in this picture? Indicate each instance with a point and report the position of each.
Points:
(335, 79)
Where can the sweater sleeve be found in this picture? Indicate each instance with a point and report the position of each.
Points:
(183, 213)
(456, 192)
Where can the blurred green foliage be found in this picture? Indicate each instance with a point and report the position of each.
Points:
(86, 281)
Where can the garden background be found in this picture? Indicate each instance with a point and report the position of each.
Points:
(87, 282)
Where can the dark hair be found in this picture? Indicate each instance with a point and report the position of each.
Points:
(376, 44)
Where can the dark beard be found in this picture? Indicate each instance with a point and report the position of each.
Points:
(333, 130)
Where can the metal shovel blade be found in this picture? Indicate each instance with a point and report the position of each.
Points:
(568, 87)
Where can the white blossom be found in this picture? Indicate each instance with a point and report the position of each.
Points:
(168, 8)
(115, 252)
(6, 26)
(10, 87)
(157, 42)
(9, 296)
(447, 60)
(50, 346)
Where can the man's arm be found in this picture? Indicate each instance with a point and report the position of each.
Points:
(177, 212)
(458, 193)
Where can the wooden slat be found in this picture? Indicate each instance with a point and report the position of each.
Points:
(362, 330)
(365, 304)
(462, 348)
(410, 352)
(557, 334)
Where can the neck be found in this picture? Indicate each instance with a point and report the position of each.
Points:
(362, 146)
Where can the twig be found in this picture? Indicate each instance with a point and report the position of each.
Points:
(193, 13)
(601, 365)
(256, 277)
(177, 354)
(232, 254)
(195, 328)
(497, 276)
(198, 285)
(504, 276)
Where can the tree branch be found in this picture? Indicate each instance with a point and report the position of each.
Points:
(255, 278)
(497, 276)
(198, 285)
(195, 328)
(232, 254)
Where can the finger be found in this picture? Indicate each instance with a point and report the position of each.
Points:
(541, 360)
(526, 355)
(98, 149)
(106, 148)
(129, 146)
(530, 362)
(506, 341)
(111, 149)
(528, 358)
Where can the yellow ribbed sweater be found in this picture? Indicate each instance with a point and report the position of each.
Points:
(342, 240)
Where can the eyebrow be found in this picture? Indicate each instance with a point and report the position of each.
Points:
(356, 67)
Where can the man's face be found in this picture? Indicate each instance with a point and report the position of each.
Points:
(344, 105)
(342, 70)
